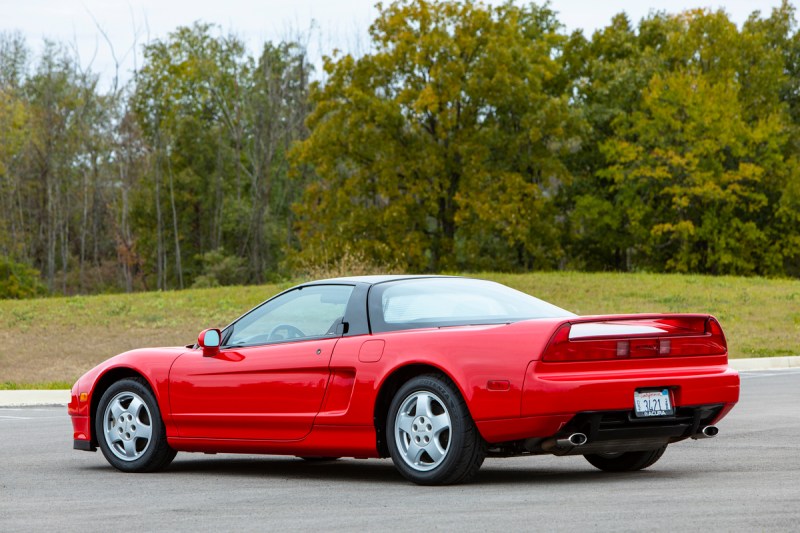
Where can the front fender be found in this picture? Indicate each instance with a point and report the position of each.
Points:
(151, 364)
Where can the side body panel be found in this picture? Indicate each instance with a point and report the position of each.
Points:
(472, 356)
(270, 392)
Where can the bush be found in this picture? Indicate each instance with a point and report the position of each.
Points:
(18, 280)
(220, 269)
(350, 263)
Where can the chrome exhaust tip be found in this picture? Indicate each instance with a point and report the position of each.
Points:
(707, 432)
(576, 439)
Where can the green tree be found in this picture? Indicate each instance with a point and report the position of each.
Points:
(218, 124)
(13, 132)
(697, 169)
(443, 145)
(608, 74)
(54, 161)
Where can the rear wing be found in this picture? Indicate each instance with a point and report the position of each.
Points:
(610, 337)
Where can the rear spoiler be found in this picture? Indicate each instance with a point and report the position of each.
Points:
(610, 337)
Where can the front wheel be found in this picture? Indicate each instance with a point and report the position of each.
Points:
(431, 436)
(129, 428)
(625, 462)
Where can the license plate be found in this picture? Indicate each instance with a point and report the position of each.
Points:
(653, 403)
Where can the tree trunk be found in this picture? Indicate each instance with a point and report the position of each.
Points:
(175, 228)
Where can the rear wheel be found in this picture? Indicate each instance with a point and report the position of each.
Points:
(129, 428)
(625, 462)
(431, 436)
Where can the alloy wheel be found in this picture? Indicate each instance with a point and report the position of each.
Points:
(127, 426)
(422, 430)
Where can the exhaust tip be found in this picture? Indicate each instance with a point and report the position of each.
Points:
(710, 431)
(576, 439)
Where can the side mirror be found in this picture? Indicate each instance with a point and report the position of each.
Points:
(208, 340)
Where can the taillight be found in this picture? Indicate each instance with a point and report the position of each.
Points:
(678, 337)
(710, 341)
(561, 348)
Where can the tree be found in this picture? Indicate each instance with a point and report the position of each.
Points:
(218, 125)
(53, 156)
(608, 73)
(695, 174)
(442, 145)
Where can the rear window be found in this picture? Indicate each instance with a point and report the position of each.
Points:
(436, 302)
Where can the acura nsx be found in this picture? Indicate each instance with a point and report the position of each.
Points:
(435, 372)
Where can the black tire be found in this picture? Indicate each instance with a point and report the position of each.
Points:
(625, 462)
(459, 448)
(121, 436)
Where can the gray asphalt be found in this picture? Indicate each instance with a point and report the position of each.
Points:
(747, 479)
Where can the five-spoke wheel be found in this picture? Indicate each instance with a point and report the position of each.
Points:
(422, 430)
(129, 428)
(431, 436)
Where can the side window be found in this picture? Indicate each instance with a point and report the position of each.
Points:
(304, 313)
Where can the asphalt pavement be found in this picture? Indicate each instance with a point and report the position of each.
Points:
(746, 479)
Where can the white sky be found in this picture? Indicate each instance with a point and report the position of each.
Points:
(340, 25)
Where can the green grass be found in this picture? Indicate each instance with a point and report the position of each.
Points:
(45, 385)
(49, 342)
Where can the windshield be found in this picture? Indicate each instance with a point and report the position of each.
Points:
(435, 302)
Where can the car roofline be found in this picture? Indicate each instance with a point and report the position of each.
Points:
(377, 279)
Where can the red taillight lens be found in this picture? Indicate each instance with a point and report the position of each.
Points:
(561, 348)
(679, 337)
(711, 342)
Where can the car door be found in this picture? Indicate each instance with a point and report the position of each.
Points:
(269, 378)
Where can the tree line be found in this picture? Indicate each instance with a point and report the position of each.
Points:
(468, 137)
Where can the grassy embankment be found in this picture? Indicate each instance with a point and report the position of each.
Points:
(48, 343)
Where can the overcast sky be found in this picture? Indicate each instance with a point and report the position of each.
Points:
(340, 25)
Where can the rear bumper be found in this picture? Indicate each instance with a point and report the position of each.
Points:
(574, 388)
(555, 394)
(620, 431)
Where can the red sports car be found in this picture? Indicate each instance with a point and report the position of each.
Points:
(435, 372)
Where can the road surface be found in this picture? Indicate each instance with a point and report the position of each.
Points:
(747, 479)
